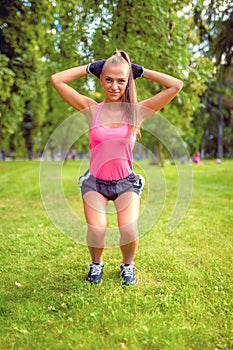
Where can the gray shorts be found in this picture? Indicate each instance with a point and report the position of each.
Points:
(113, 188)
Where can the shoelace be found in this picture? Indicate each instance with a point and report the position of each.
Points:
(128, 271)
(96, 269)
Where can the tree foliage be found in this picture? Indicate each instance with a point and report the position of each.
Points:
(39, 38)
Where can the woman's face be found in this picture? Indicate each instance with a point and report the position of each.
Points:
(114, 79)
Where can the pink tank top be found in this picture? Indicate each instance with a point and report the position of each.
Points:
(111, 150)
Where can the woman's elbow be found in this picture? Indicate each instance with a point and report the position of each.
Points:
(53, 79)
(179, 85)
(56, 79)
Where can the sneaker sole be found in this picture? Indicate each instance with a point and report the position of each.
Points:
(132, 284)
(91, 283)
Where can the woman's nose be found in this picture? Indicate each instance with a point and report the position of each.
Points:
(114, 85)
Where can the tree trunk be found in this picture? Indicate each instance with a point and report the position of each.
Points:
(220, 120)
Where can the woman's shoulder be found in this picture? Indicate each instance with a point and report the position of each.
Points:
(92, 112)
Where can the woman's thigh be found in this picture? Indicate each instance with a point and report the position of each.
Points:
(95, 208)
(127, 206)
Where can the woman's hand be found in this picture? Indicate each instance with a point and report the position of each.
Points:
(161, 99)
(96, 68)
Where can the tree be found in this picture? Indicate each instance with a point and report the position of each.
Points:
(22, 34)
(215, 25)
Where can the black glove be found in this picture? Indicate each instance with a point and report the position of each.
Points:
(137, 71)
(96, 68)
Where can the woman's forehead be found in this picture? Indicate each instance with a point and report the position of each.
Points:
(118, 70)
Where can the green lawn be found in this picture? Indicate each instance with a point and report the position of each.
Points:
(184, 297)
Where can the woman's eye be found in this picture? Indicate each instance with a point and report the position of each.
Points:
(108, 80)
(121, 81)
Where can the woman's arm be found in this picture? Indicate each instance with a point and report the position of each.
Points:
(60, 82)
(172, 85)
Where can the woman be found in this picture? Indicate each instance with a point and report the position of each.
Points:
(114, 126)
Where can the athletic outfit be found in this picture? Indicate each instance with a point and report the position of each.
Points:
(111, 161)
(111, 174)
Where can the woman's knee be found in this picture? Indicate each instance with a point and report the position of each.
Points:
(129, 233)
(96, 236)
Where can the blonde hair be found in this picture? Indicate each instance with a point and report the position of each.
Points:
(130, 95)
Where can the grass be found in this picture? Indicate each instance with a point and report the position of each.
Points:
(184, 297)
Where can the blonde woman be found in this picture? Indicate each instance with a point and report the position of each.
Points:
(114, 127)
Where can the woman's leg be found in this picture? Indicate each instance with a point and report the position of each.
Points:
(95, 212)
(127, 206)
